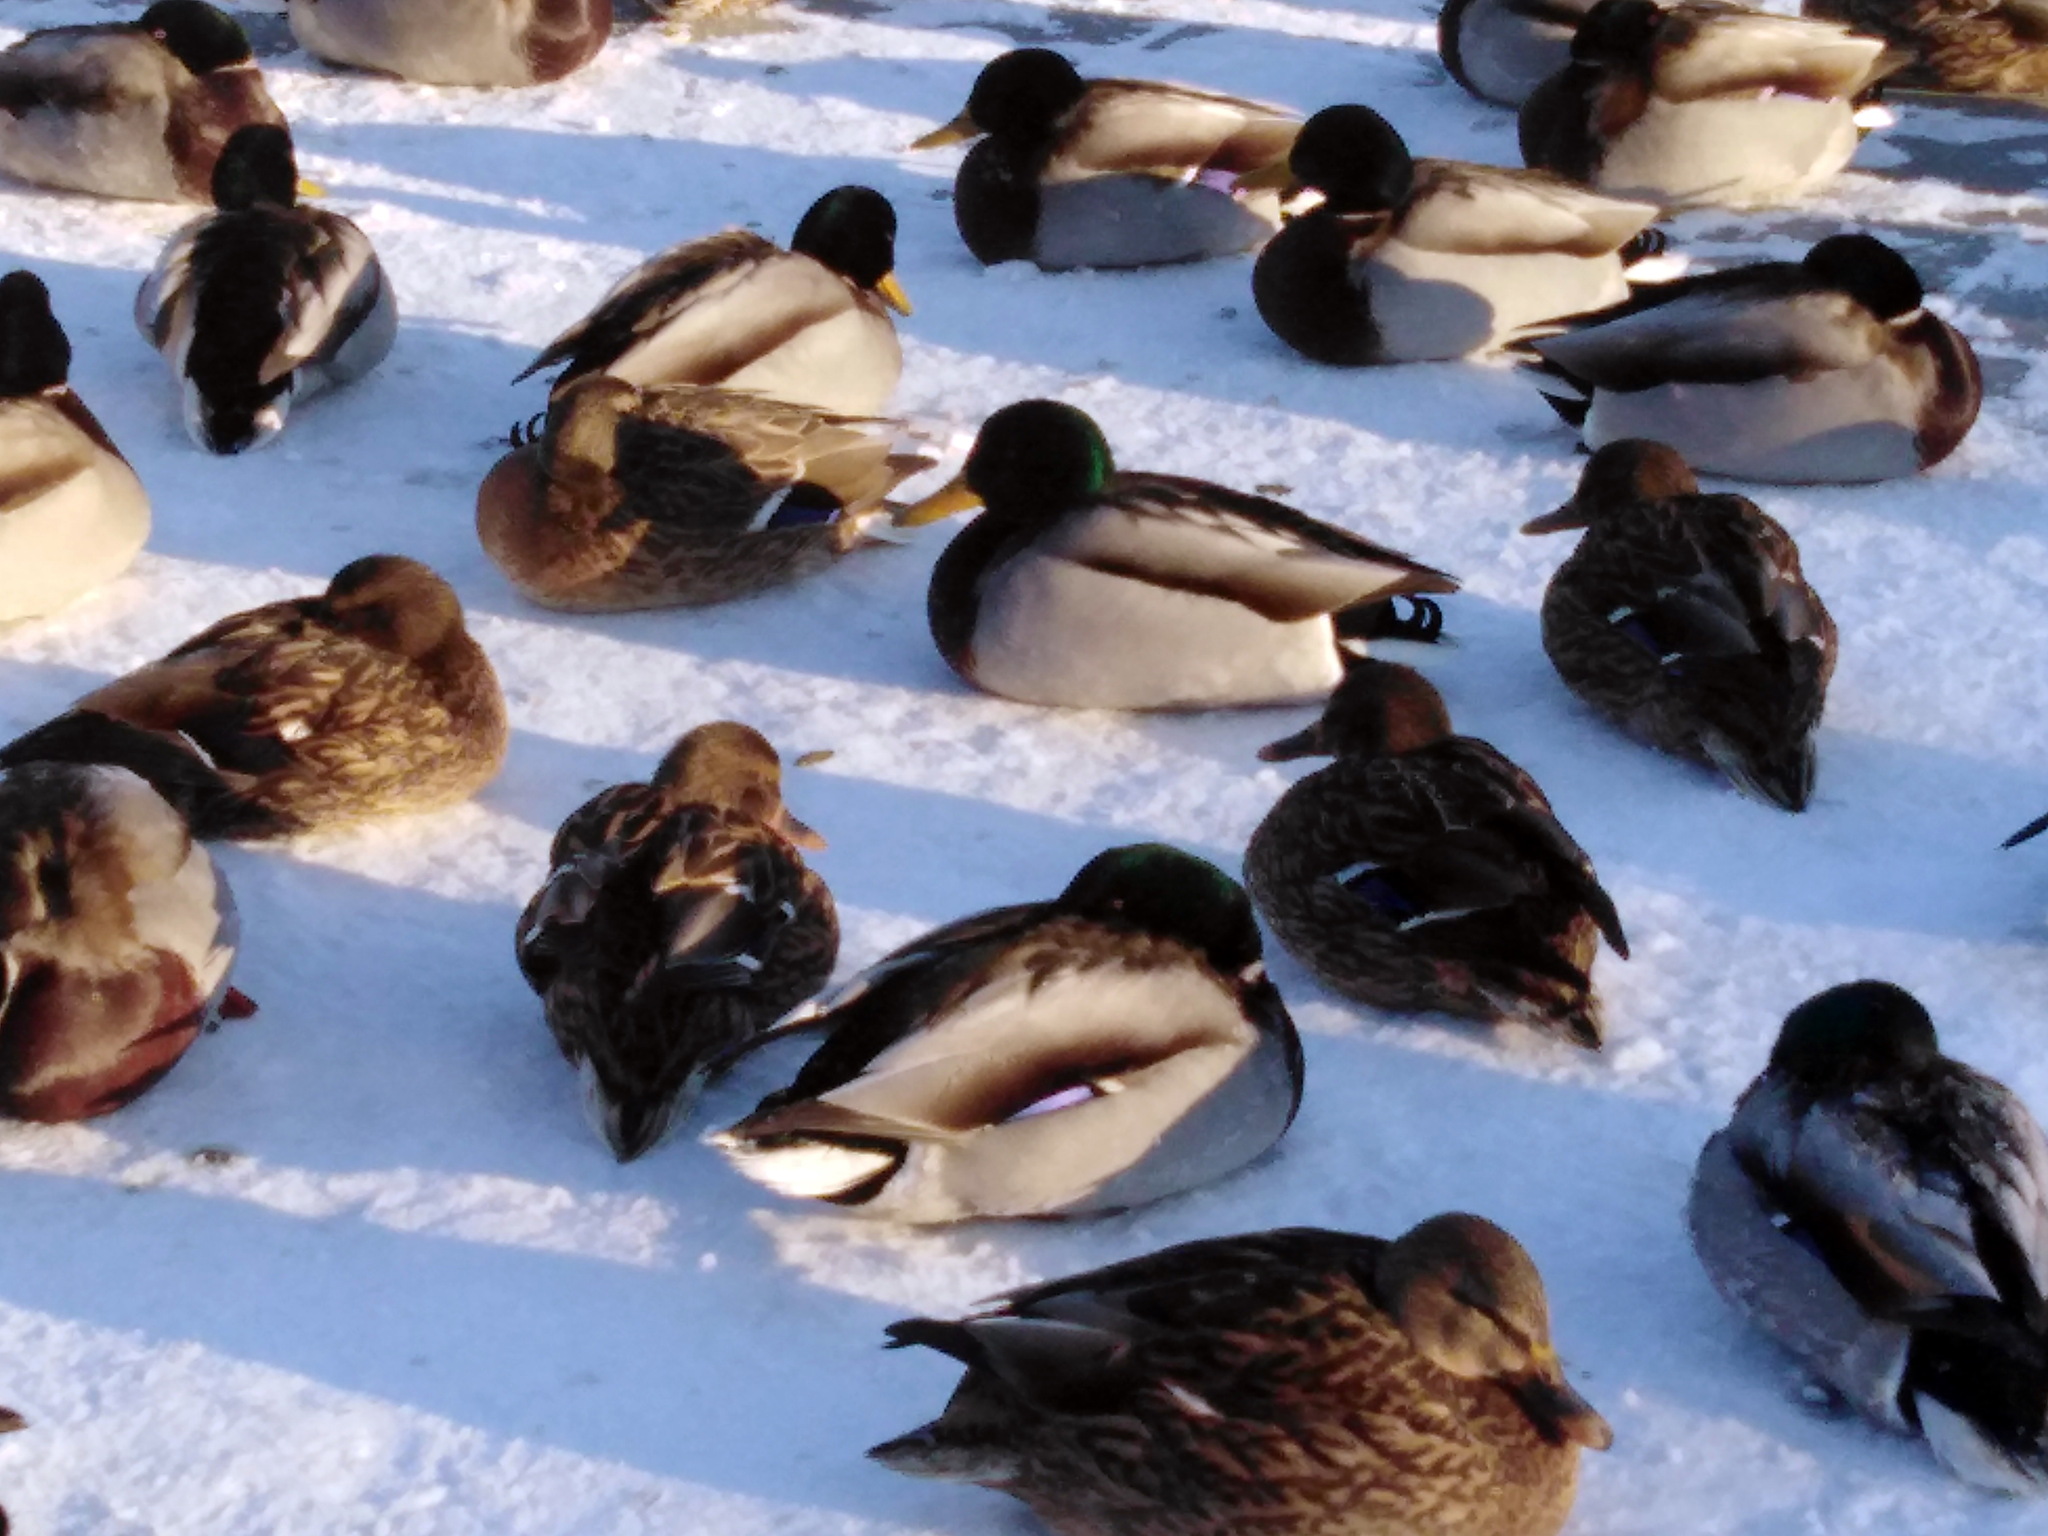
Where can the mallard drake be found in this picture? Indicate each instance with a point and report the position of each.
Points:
(456, 42)
(680, 494)
(130, 108)
(808, 325)
(72, 513)
(677, 922)
(1702, 104)
(1107, 173)
(1686, 620)
(1406, 259)
(1882, 1212)
(370, 698)
(1112, 1046)
(1501, 50)
(1085, 586)
(1820, 370)
(117, 934)
(1423, 872)
(1299, 1382)
(263, 302)
(1978, 47)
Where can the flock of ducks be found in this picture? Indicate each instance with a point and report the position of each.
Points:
(715, 428)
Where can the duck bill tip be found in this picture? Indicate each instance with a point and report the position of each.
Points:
(1560, 520)
(954, 496)
(893, 295)
(958, 131)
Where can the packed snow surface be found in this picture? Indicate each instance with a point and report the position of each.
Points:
(359, 1266)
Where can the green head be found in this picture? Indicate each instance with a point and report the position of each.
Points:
(198, 35)
(1170, 894)
(1354, 158)
(34, 353)
(1038, 455)
(852, 230)
(256, 166)
(1024, 93)
(1859, 1032)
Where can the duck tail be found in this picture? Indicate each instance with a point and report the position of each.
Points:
(170, 764)
(934, 1453)
(1647, 243)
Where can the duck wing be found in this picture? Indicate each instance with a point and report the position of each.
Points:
(1727, 333)
(332, 285)
(1486, 210)
(1126, 126)
(1198, 537)
(1082, 1344)
(1927, 1197)
(696, 275)
(1707, 49)
(86, 69)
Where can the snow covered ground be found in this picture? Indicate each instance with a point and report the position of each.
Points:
(358, 1266)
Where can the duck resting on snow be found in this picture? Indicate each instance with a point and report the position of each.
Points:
(1299, 1382)
(1095, 588)
(1112, 1046)
(1072, 172)
(676, 924)
(1881, 1212)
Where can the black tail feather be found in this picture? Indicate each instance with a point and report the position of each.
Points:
(1647, 243)
(169, 764)
(1423, 622)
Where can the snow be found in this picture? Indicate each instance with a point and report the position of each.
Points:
(358, 1265)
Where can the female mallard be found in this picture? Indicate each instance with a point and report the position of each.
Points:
(1299, 1382)
(72, 513)
(456, 42)
(1107, 173)
(367, 699)
(117, 934)
(1979, 47)
(1882, 1212)
(1407, 260)
(1686, 620)
(130, 108)
(677, 922)
(1089, 587)
(809, 324)
(1825, 369)
(1501, 50)
(1702, 104)
(1109, 1047)
(1423, 872)
(263, 302)
(680, 494)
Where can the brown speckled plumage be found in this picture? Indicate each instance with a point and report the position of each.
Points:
(677, 922)
(1290, 1383)
(657, 496)
(1424, 872)
(367, 699)
(1686, 620)
(1988, 47)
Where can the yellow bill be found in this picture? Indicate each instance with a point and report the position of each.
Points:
(1274, 176)
(957, 131)
(310, 188)
(954, 496)
(892, 293)
(1565, 517)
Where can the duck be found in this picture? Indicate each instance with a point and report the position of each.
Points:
(1102, 1050)
(808, 325)
(1091, 588)
(1686, 620)
(132, 109)
(1969, 47)
(263, 302)
(117, 936)
(1830, 369)
(368, 699)
(1298, 1382)
(1107, 173)
(1408, 260)
(677, 922)
(682, 494)
(1880, 1211)
(1501, 50)
(1425, 872)
(456, 42)
(73, 515)
(1703, 104)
